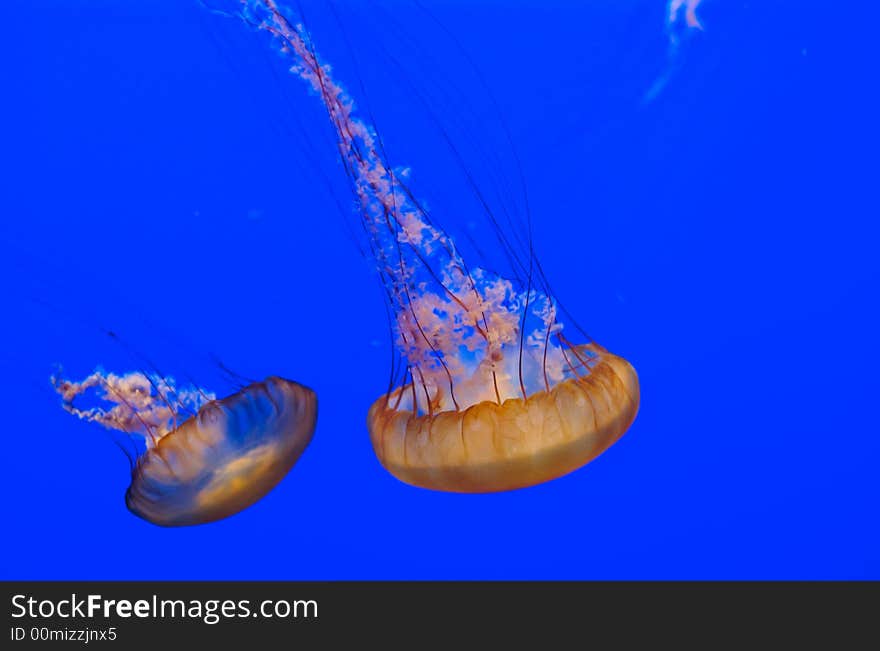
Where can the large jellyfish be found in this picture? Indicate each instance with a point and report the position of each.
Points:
(223, 458)
(494, 396)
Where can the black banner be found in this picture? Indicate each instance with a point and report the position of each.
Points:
(125, 614)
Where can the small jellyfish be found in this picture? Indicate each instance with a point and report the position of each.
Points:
(689, 8)
(224, 457)
(682, 23)
(493, 396)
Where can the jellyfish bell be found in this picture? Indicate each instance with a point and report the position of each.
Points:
(492, 396)
(227, 457)
(213, 464)
(491, 447)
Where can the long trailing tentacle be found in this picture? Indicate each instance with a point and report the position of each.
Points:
(465, 334)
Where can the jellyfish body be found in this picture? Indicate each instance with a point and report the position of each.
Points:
(226, 457)
(493, 397)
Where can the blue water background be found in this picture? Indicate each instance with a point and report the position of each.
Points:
(166, 180)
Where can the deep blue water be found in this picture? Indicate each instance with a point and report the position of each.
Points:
(165, 179)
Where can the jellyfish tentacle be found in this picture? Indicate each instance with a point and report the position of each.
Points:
(522, 331)
(137, 403)
(465, 335)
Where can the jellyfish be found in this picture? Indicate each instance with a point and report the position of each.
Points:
(224, 457)
(682, 23)
(493, 396)
(689, 8)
